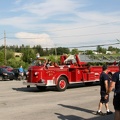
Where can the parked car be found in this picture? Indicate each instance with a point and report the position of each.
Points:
(5, 74)
(17, 74)
(9, 68)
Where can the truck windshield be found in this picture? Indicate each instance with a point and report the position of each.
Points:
(38, 63)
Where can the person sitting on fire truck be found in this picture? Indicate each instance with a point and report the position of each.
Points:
(48, 64)
(39, 63)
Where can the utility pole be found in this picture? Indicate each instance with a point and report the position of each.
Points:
(55, 53)
(4, 48)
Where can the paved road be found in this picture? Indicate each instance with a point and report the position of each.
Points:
(20, 103)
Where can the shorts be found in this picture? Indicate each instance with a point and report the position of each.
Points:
(103, 100)
(116, 101)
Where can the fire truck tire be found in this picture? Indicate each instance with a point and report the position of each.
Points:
(41, 88)
(62, 84)
(89, 83)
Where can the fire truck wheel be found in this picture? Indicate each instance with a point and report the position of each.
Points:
(62, 84)
(89, 83)
(41, 88)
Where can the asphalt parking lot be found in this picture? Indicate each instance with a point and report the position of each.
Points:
(76, 103)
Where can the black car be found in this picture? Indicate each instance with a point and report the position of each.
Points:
(5, 74)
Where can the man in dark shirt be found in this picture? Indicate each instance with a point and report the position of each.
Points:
(104, 83)
(116, 100)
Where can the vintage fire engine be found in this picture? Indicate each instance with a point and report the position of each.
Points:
(73, 69)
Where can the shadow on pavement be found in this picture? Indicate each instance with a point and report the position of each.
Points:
(68, 117)
(33, 89)
(25, 89)
(74, 117)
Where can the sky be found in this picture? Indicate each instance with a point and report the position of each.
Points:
(60, 23)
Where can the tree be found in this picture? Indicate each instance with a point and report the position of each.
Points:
(74, 51)
(9, 54)
(99, 49)
(28, 53)
(1, 57)
(39, 49)
(62, 50)
(110, 48)
(89, 52)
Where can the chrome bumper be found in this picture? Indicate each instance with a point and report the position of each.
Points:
(35, 84)
(49, 83)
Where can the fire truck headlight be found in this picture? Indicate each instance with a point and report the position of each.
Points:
(36, 73)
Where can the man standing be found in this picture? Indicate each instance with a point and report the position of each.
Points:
(104, 83)
(116, 100)
(21, 71)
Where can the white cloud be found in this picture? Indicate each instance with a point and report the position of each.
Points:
(17, 2)
(50, 7)
(18, 22)
(35, 39)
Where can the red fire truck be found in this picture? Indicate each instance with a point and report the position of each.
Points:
(73, 69)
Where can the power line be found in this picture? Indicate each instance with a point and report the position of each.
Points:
(68, 35)
(88, 26)
(78, 46)
(86, 35)
(87, 45)
(20, 38)
(75, 27)
(95, 45)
